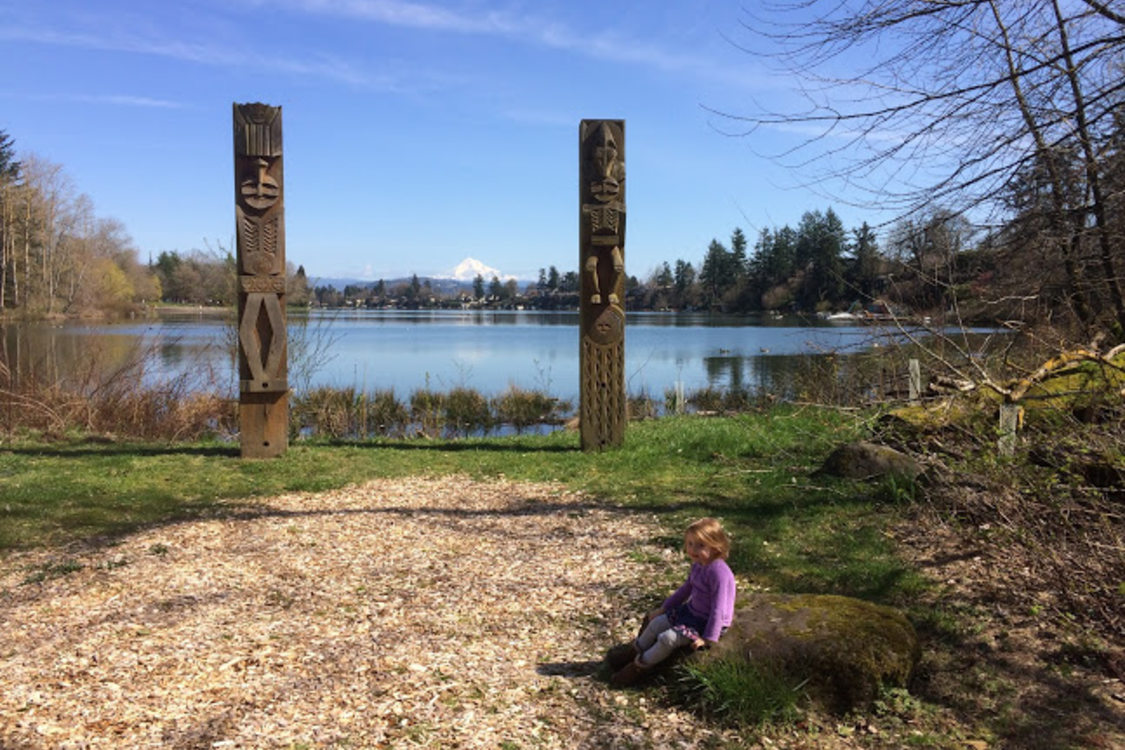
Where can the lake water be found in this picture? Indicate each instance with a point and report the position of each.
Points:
(485, 350)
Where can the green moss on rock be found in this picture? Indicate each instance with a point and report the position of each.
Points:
(863, 460)
(842, 649)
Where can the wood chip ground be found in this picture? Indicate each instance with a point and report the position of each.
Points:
(402, 613)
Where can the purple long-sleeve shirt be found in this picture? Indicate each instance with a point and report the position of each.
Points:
(709, 591)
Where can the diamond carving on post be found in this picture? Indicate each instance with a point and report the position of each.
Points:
(262, 336)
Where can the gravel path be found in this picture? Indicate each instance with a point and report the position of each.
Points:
(414, 612)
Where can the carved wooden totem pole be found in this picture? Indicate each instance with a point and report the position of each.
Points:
(259, 199)
(601, 262)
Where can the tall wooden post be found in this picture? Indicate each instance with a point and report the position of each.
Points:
(259, 200)
(601, 263)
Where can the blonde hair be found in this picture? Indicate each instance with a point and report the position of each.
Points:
(711, 534)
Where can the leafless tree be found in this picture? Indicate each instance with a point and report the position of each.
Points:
(911, 104)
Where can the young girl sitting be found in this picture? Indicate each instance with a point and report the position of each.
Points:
(695, 615)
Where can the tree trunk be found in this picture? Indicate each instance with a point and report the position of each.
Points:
(1093, 176)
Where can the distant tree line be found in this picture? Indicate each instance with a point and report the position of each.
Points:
(57, 257)
(816, 266)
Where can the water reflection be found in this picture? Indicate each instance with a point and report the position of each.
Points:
(407, 350)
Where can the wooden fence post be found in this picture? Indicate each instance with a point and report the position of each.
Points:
(1011, 415)
(915, 381)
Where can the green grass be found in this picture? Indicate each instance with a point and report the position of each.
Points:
(790, 533)
(744, 693)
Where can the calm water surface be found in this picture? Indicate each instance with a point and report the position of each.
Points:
(485, 350)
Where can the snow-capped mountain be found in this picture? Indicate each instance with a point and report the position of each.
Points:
(470, 268)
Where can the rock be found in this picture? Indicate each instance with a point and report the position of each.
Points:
(842, 649)
(864, 460)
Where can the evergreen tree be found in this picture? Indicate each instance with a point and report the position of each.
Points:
(683, 279)
(9, 167)
(738, 252)
(863, 272)
(819, 251)
(414, 291)
(715, 274)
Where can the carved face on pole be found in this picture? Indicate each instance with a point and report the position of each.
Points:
(607, 167)
(260, 191)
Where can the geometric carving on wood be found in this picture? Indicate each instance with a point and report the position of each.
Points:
(257, 130)
(258, 237)
(274, 284)
(261, 334)
(601, 418)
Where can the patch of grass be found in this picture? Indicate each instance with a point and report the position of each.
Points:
(743, 693)
(48, 571)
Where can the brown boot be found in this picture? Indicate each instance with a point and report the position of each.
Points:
(620, 655)
(630, 674)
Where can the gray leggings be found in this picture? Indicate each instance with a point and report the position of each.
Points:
(658, 640)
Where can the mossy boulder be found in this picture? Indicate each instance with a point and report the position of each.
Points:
(863, 460)
(842, 649)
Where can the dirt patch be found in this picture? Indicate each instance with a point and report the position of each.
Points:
(996, 653)
(418, 612)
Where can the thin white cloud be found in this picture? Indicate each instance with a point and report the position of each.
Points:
(200, 53)
(407, 14)
(124, 100)
(524, 29)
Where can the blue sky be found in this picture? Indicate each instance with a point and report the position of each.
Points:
(416, 133)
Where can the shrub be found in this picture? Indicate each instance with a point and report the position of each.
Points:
(426, 410)
(466, 411)
(706, 399)
(385, 414)
(641, 406)
(326, 411)
(675, 402)
(522, 408)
